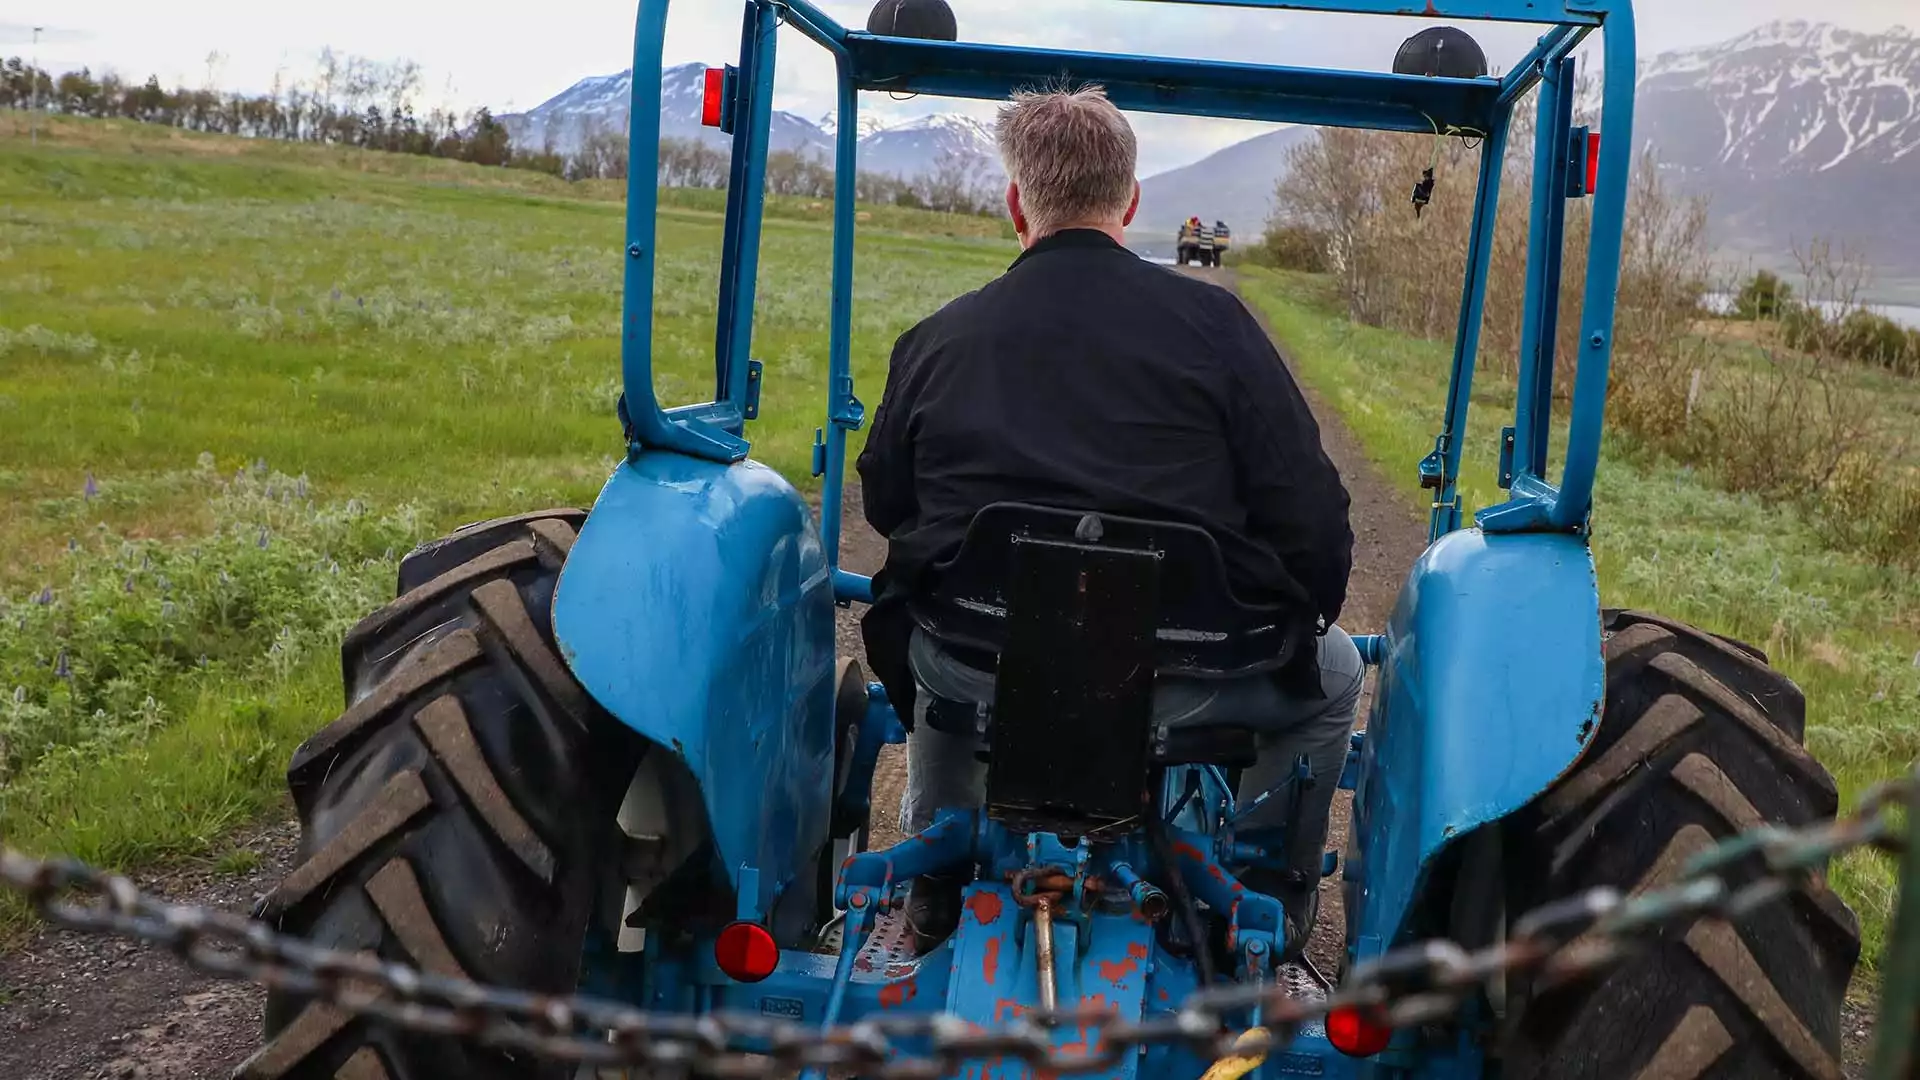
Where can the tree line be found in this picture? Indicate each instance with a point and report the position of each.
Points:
(349, 101)
(372, 104)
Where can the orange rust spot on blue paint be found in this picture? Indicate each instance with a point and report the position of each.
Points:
(1114, 970)
(990, 961)
(1137, 950)
(898, 994)
(985, 906)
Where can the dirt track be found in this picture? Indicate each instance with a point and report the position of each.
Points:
(74, 1008)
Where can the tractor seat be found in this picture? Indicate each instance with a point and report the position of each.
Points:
(1201, 629)
(1072, 616)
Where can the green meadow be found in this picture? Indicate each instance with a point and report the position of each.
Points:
(239, 379)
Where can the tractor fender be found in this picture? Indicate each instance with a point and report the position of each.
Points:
(696, 606)
(1490, 689)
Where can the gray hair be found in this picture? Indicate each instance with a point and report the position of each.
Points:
(1072, 153)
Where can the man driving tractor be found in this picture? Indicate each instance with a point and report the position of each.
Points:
(1089, 379)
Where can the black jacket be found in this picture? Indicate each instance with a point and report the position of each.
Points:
(1088, 378)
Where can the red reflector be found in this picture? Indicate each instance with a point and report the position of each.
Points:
(1357, 1034)
(746, 952)
(710, 104)
(1593, 162)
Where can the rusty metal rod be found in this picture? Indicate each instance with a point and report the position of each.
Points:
(1043, 946)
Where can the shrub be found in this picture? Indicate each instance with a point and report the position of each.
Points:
(1292, 247)
(1872, 507)
(1764, 296)
(101, 653)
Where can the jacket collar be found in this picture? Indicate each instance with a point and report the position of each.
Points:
(1069, 239)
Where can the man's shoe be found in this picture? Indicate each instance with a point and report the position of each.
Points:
(933, 910)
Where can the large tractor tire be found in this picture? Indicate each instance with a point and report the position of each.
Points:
(1700, 739)
(460, 815)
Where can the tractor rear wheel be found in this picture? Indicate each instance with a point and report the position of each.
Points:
(1700, 739)
(457, 817)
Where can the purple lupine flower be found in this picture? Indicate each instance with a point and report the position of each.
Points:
(262, 542)
(360, 300)
(336, 292)
(91, 489)
(45, 597)
(61, 669)
(19, 695)
(129, 585)
(73, 545)
(300, 488)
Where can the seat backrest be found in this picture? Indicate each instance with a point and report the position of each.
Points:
(1201, 628)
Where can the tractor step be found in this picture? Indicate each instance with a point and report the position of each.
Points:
(890, 944)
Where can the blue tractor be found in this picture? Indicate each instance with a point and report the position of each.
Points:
(615, 750)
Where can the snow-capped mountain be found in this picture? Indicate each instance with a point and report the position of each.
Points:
(600, 104)
(1796, 130)
(907, 150)
(916, 146)
(869, 124)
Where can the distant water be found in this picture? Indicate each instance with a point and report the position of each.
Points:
(1904, 314)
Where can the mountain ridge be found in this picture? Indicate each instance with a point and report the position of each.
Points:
(1795, 129)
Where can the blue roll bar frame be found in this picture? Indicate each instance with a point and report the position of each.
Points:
(1481, 107)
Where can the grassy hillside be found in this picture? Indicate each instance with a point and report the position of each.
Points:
(238, 379)
(1846, 630)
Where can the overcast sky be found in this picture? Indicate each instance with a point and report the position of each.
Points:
(512, 56)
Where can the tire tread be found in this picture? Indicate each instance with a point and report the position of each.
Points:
(1698, 741)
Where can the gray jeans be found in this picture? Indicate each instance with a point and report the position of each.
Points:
(943, 773)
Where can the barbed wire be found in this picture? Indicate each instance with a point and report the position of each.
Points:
(1407, 986)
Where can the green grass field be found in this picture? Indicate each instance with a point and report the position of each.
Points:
(1665, 540)
(239, 379)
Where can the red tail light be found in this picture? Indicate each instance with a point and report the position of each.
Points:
(715, 91)
(1593, 162)
(746, 952)
(1356, 1033)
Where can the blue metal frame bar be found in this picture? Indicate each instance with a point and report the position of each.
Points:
(817, 26)
(1575, 499)
(746, 202)
(1473, 300)
(1179, 87)
(1546, 239)
(843, 409)
(686, 431)
(1554, 44)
